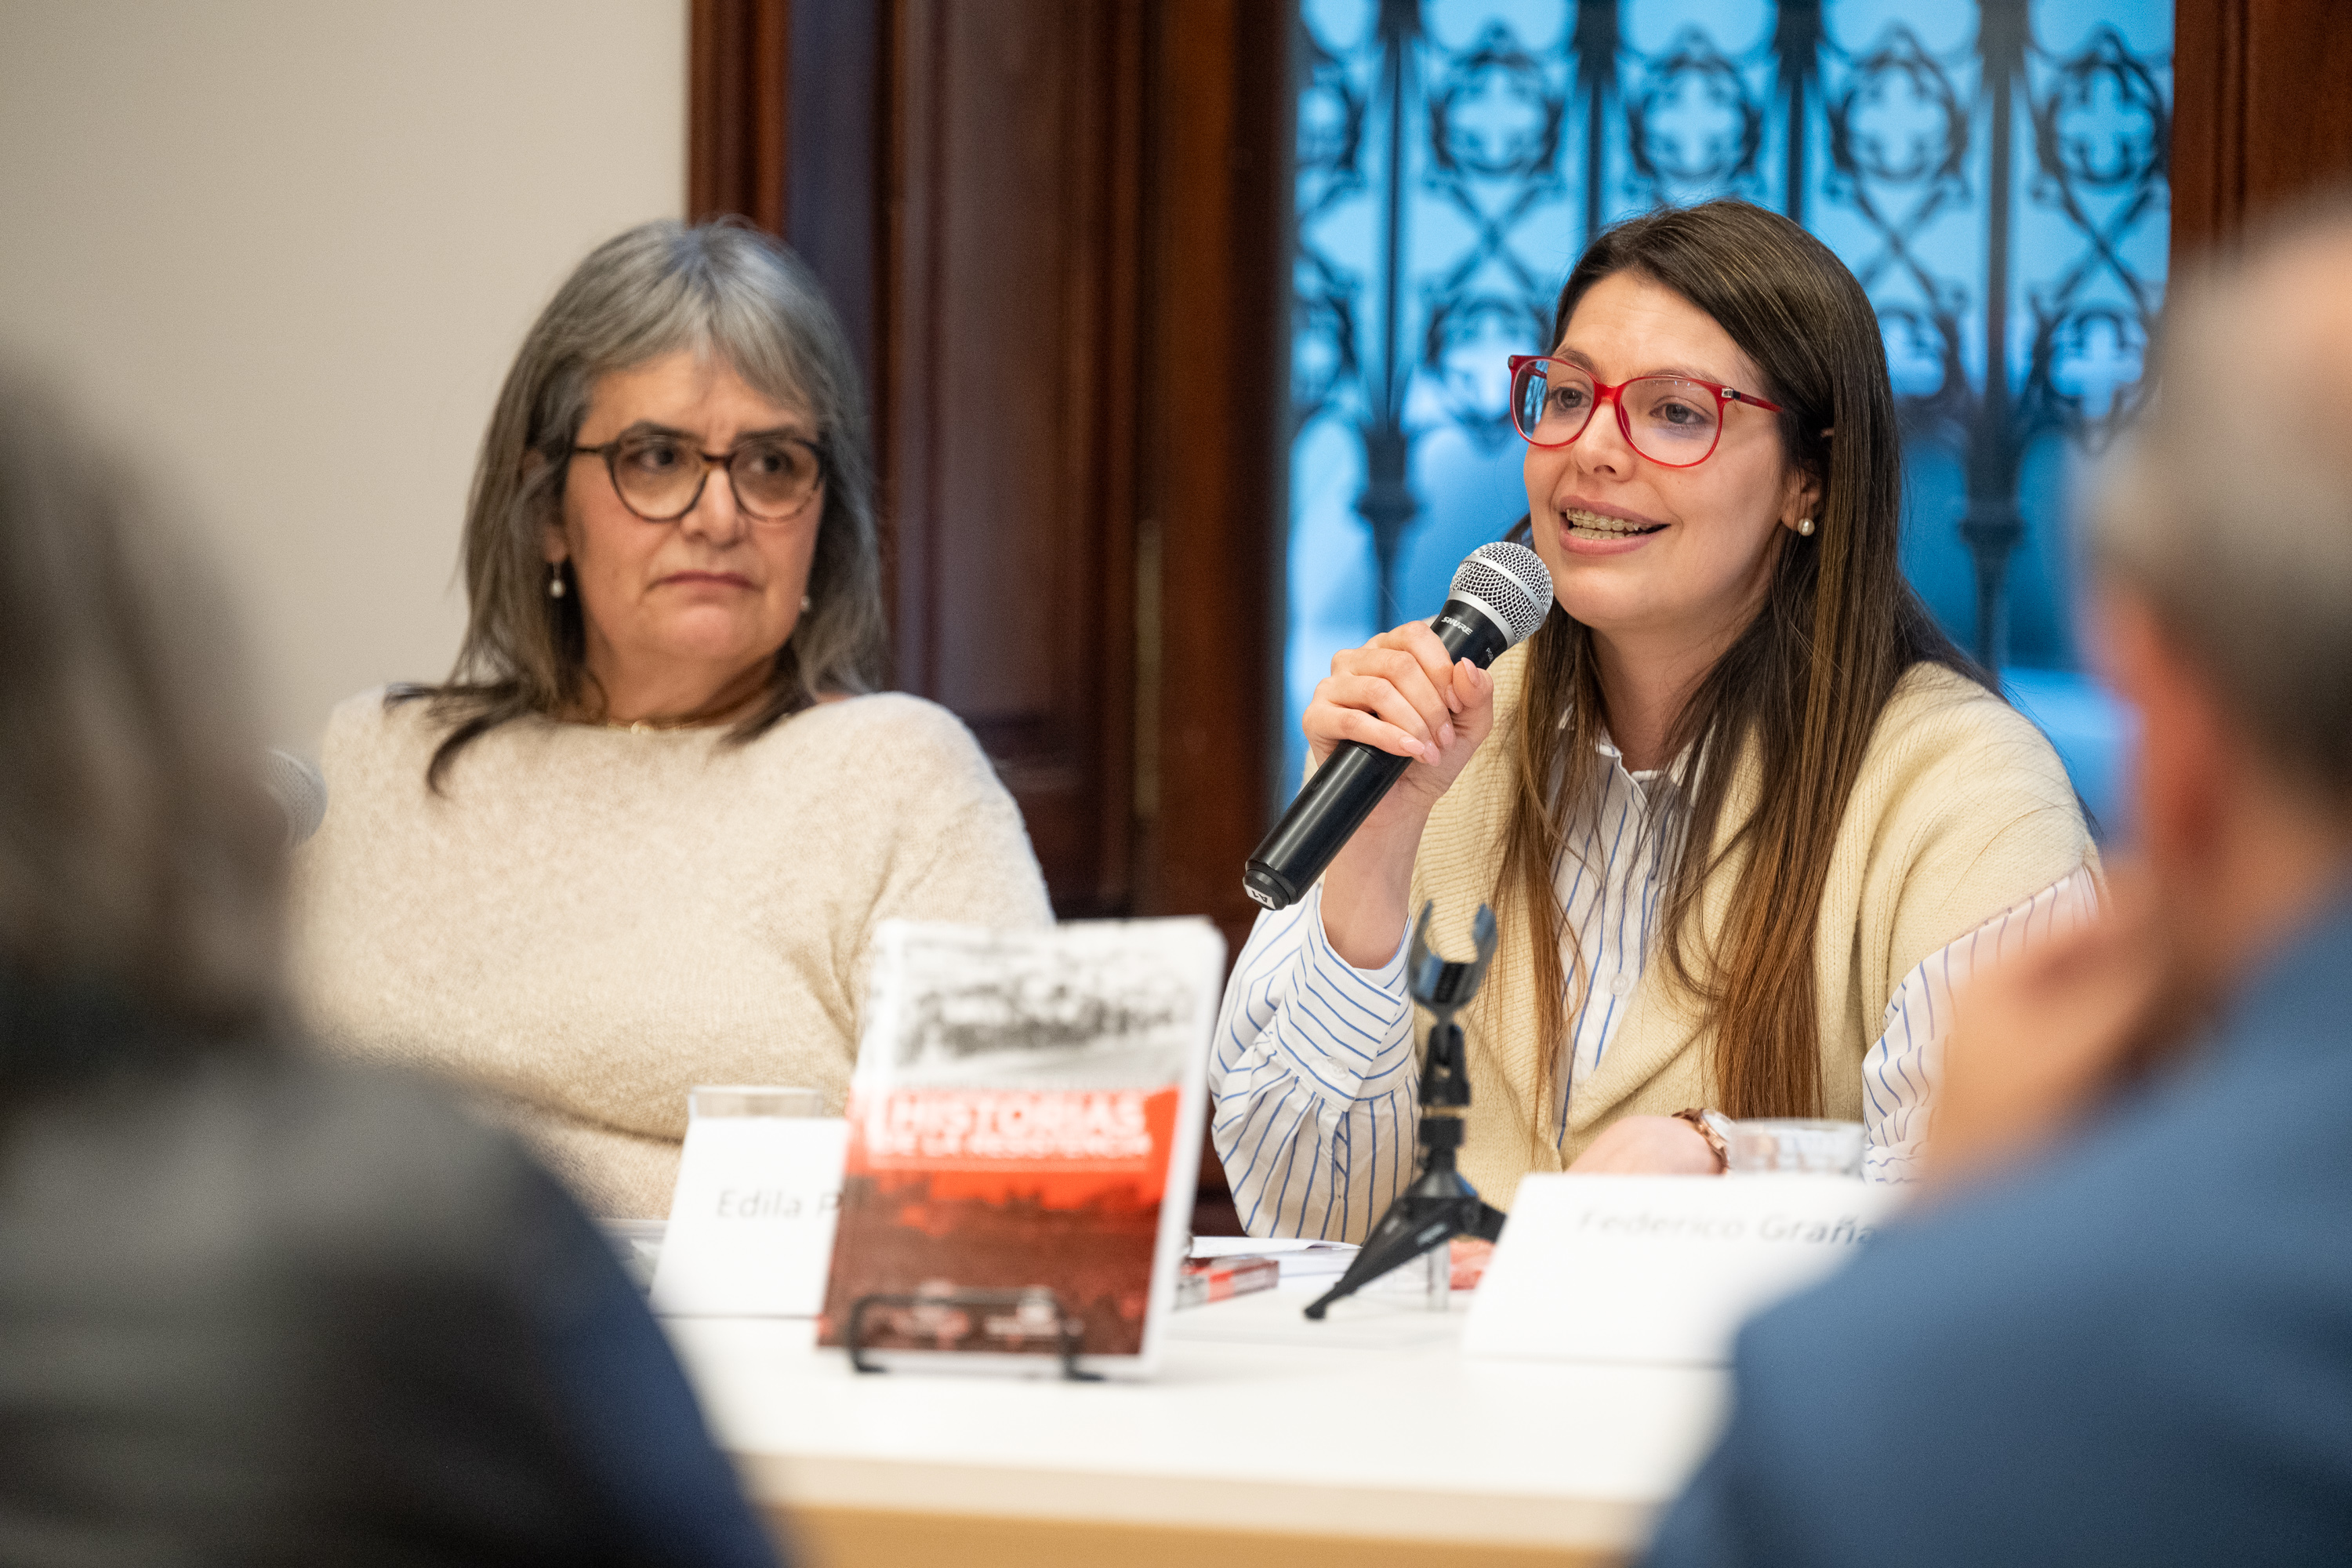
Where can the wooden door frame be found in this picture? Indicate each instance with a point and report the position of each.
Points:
(801, 113)
(2246, 77)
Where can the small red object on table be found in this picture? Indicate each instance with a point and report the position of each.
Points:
(1206, 1280)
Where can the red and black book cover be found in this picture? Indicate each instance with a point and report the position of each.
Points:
(1026, 1104)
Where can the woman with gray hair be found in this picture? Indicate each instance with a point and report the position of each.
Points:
(641, 836)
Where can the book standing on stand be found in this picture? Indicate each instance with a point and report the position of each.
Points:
(1024, 1131)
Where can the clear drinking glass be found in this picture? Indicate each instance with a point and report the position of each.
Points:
(638, 1242)
(1820, 1148)
(751, 1099)
(1427, 1282)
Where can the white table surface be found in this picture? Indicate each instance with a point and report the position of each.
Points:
(1373, 1424)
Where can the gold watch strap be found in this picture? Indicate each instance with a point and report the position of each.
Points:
(1704, 1121)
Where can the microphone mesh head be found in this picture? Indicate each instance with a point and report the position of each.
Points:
(300, 790)
(1511, 581)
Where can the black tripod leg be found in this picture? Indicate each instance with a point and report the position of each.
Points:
(1488, 1225)
(1404, 1233)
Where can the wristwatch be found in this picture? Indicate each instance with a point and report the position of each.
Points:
(1716, 1128)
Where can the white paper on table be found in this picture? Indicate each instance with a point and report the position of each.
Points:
(751, 1220)
(1660, 1268)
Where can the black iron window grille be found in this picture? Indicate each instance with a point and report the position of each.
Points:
(1994, 172)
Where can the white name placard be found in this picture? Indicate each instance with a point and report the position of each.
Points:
(751, 1223)
(1660, 1268)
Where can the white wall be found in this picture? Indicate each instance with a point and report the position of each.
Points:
(286, 249)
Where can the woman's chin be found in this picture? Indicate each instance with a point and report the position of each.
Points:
(1599, 597)
(702, 638)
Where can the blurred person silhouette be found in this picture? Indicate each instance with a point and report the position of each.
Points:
(255, 1307)
(641, 837)
(2121, 1330)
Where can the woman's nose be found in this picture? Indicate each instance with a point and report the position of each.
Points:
(714, 514)
(1603, 447)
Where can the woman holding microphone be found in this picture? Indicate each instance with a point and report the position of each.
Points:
(1744, 814)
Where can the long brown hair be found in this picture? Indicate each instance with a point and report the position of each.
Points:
(141, 862)
(1797, 695)
(720, 287)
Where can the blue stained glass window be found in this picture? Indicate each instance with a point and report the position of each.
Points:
(1994, 172)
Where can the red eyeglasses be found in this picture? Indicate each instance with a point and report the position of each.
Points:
(1675, 421)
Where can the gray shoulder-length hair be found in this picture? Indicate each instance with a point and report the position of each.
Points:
(722, 288)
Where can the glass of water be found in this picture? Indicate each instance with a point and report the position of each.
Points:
(1818, 1148)
(747, 1100)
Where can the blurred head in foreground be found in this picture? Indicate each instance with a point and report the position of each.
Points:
(254, 1307)
(139, 861)
(2119, 1334)
(2222, 548)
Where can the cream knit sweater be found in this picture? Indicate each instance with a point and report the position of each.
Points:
(1962, 811)
(591, 921)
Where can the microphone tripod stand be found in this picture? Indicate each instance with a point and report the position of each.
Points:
(1438, 1205)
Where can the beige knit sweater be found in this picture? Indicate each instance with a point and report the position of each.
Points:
(591, 921)
(1962, 811)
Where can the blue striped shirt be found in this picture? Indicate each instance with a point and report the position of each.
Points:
(1314, 1075)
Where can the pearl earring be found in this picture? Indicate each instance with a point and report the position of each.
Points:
(805, 603)
(1805, 527)
(555, 579)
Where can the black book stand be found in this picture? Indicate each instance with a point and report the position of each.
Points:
(977, 1319)
(1439, 1205)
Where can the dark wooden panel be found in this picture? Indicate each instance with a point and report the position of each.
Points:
(2262, 112)
(1215, 499)
(1215, 468)
(1011, 394)
(2208, 159)
(738, 64)
(1056, 234)
(2298, 99)
(1009, 183)
(838, 111)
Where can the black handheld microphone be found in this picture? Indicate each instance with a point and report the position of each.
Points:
(1500, 596)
